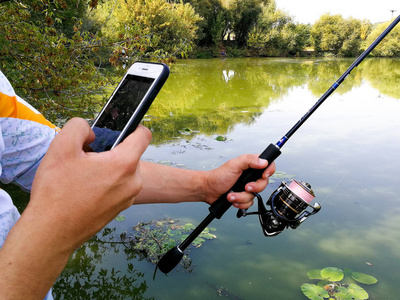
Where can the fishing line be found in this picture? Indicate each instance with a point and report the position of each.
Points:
(340, 181)
(289, 203)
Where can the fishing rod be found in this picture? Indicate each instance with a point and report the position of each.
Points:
(288, 203)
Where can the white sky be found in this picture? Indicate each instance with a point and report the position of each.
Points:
(308, 11)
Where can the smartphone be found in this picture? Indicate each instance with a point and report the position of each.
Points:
(128, 104)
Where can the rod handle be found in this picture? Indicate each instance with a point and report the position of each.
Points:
(221, 205)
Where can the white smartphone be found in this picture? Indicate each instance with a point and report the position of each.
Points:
(128, 104)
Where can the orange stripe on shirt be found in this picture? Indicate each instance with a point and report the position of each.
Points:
(10, 107)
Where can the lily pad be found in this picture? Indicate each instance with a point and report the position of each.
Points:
(189, 226)
(314, 292)
(314, 274)
(120, 218)
(357, 292)
(221, 138)
(332, 274)
(363, 278)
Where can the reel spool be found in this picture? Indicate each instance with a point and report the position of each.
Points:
(287, 207)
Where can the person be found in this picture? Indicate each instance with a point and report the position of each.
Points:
(74, 193)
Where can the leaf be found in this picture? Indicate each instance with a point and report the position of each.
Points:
(357, 292)
(120, 218)
(208, 236)
(332, 274)
(188, 226)
(221, 138)
(314, 292)
(363, 278)
(314, 274)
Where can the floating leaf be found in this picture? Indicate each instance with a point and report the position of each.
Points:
(188, 226)
(314, 292)
(343, 293)
(198, 242)
(356, 292)
(208, 236)
(314, 274)
(332, 274)
(363, 278)
(120, 218)
(221, 138)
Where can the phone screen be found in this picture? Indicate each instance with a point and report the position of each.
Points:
(119, 110)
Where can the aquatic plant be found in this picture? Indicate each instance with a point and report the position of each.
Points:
(336, 284)
(150, 240)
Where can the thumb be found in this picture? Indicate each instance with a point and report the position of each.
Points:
(135, 143)
(73, 136)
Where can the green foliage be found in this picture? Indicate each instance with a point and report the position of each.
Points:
(338, 35)
(276, 35)
(245, 14)
(390, 46)
(214, 23)
(45, 66)
(151, 28)
(336, 284)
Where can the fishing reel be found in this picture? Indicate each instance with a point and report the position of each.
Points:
(287, 208)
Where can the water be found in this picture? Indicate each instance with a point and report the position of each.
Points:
(349, 152)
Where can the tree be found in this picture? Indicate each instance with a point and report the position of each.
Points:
(244, 17)
(54, 52)
(214, 23)
(152, 28)
(390, 46)
(276, 34)
(48, 68)
(338, 35)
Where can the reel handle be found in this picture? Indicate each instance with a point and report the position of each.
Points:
(221, 205)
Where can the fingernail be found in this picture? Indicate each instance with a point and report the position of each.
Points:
(262, 161)
(249, 188)
(232, 198)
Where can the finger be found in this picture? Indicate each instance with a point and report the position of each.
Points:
(241, 200)
(257, 186)
(75, 133)
(269, 171)
(135, 144)
(246, 161)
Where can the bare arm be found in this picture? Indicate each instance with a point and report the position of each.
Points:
(172, 185)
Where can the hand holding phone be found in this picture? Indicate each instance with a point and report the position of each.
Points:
(128, 104)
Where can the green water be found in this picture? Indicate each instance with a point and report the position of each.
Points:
(349, 151)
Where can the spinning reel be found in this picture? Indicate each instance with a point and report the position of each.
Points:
(288, 204)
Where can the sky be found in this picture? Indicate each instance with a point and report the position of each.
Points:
(309, 11)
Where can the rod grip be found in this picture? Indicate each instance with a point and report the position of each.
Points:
(221, 205)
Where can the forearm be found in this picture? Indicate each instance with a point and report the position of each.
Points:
(165, 184)
(31, 259)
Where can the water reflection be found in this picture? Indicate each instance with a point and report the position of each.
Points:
(213, 96)
(84, 279)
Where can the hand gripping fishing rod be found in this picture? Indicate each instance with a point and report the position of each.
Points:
(221, 205)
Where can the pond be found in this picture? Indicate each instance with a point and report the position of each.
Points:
(210, 111)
